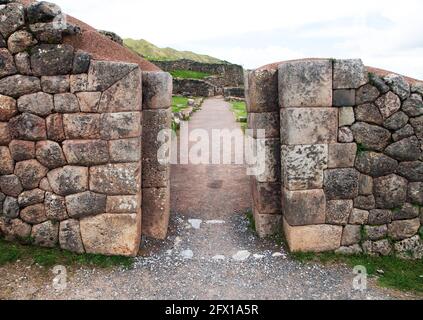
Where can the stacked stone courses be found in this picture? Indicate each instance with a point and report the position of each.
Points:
(70, 138)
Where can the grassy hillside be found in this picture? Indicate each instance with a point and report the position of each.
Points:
(152, 52)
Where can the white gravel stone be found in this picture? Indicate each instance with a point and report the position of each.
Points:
(241, 255)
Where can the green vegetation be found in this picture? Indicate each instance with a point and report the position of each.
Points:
(152, 52)
(11, 252)
(392, 272)
(187, 74)
(251, 221)
(239, 108)
(179, 103)
(361, 148)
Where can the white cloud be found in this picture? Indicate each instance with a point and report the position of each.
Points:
(386, 33)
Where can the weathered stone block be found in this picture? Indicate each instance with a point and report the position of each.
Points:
(340, 184)
(112, 234)
(400, 230)
(10, 208)
(380, 217)
(55, 207)
(413, 106)
(366, 94)
(50, 154)
(116, 179)
(342, 155)
(30, 173)
(28, 127)
(81, 62)
(410, 248)
(42, 12)
(388, 104)
(55, 84)
(309, 126)
(7, 108)
(338, 211)
(8, 64)
(34, 214)
(406, 212)
(359, 217)
(346, 116)
(18, 85)
(70, 236)
(156, 90)
(15, 230)
(267, 224)
(88, 101)
(5, 136)
(345, 135)
(390, 191)
(415, 193)
(398, 85)
(68, 180)
(55, 129)
(377, 248)
(371, 137)
(103, 74)
(303, 165)
(267, 197)
(365, 202)
(304, 207)
(125, 150)
(10, 185)
(12, 17)
(22, 150)
(269, 122)
(123, 204)
(396, 121)
(32, 197)
(51, 59)
(45, 185)
(82, 126)
(120, 125)
(7, 164)
(85, 204)
(403, 133)
(408, 149)
(318, 238)
(125, 95)
(262, 91)
(46, 234)
(375, 164)
(351, 235)
(156, 212)
(368, 113)
(305, 84)
(375, 233)
(270, 165)
(66, 103)
(20, 40)
(86, 152)
(349, 74)
(413, 171)
(78, 82)
(344, 98)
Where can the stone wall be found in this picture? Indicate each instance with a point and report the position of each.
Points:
(70, 139)
(351, 155)
(195, 88)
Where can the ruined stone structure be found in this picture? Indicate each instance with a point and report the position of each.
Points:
(351, 157)
(70, 139)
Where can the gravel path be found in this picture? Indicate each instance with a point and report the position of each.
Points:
(210, 253)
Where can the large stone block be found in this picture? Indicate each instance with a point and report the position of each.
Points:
(413, 171)
(68, 180)
(266, 197)
(7, 108)
(112, 234)
(10, 208)
(85, 204)
(120, 125)
(338, 212)
(29, 198)
(15, 230)
(349, 74)
(18, 85)
(51, 59)
(125, 150)
(262, 91)
(103, 74)
(23, 64)
(154, 121)
(269, 122)
(66, 103)
(55, 84)
(303, 166)
(12, 17)
(7, 164)
(388, 104)
(351, 235)
(269, 163)
(344, 98)
(88, 101)
(46, 234)
(34, 214)
(156, 90)
(369, 113)
(342, 155)
(81, 62)
(413, 106)
(318, 238)
(22, 150)
(267, 224)
(78, 82)
(375, 164)
(367, 94)
(408, 149)
(156, 212)
(55, 207)
(10, 185)
(399, 85)
(50, 154)
(20, 41)
(123, 204)
(40, 104)
(30, 173)
(5, 136)
(346, 116)
(415, 193)
(70, 236)
(8, 65)
(380, 217)
(116, 179)
(304, 207)
(341, 184)
(125, 95)
(86, 152)
(396, 121)
(359, 217)
(82, 126)
(400, 230)
(390, 192)
(305, 84)
(371, 137)
(42, 12)
(28, 127)
(309, 126)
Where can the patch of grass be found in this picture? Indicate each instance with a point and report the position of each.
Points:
(179, 103)
(404, 275)
(251, 221)
(188, 74)
(361, 148)
(10, 253)
(239, 108)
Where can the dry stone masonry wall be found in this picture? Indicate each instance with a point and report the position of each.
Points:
(70, 139)
(351, 158)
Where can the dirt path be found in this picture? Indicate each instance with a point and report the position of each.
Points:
(197, 261)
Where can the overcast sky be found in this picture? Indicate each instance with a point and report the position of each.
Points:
(384, 33)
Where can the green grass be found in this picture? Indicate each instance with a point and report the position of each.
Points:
(187, 74)
(251, 221)
(11, 252)
(239, 108)
(404, 275)
(179, 103)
